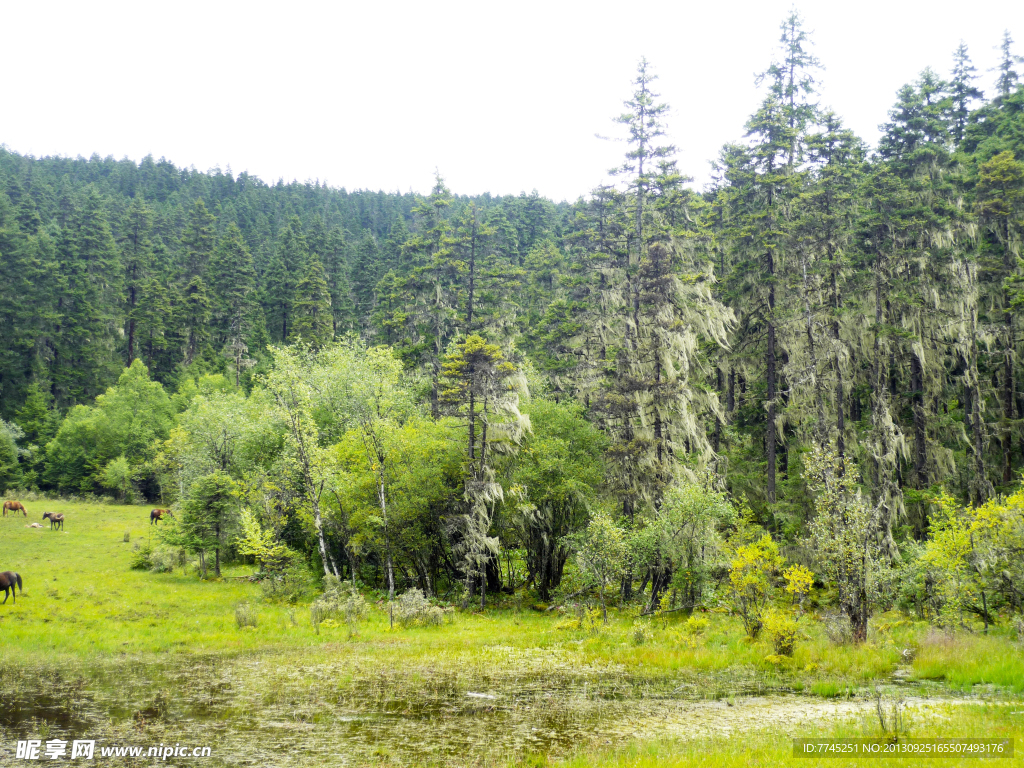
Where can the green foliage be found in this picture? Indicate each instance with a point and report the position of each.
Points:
(207, 516)
(10, 467)
(843, 538)
(270, 554)
(600, 554)
(142, 556)
(696, 625)
(339, 598)
(689, 355)
(559, 468)
(683, 536)
(641, 633)
(127, 421)
(117, 475)
(290, 585)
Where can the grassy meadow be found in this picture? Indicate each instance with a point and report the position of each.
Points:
(565, 692)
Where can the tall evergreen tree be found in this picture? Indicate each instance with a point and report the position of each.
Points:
(962, 91)
(89, 277)
(232, 279)
(311, 309)
(137, 258)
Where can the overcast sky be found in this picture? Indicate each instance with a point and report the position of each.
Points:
(499, 96)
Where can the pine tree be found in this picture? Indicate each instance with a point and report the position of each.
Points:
(152, 317)
(137, 257)
(479, 385)
(27, 299)
(311, 309)
(195, 318)
(823, 232)
(962, 91)
(1000, 203)
(89, 278)
(286, 269)
(197, 241)
(1008, 76)
(232, 280)
(366, 273)
(432, 287)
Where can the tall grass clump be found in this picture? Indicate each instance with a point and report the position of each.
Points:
(963, 661)
(413, 609)
(245, 616)
(339, 599)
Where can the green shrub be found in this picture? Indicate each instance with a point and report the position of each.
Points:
(163, 559)
(142, 557)
(696, 625)
(641, 633)
(413, 609)
(291, 584)
(340, 598)
(245, 616)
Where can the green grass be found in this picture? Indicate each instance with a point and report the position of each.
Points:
(85, 612)
(829, 689)
(965, 660)
(774, 746)
(82, 599)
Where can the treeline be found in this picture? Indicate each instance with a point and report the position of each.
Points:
(824, 316)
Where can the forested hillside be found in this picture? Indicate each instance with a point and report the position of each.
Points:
(447, 388)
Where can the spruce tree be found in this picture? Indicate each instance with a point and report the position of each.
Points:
(197, 241)
(89, 278)
(311, 310)
(137, 258)
(195, 318)
(1008, 77)
(232, 280)
(962, 91)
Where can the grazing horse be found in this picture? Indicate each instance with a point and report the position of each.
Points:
(157, 514)
(7, 581)
(55, 519)
(14, 506)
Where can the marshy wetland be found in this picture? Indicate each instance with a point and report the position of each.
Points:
(96, 650)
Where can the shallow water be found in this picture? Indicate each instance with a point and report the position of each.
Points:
(342, 709)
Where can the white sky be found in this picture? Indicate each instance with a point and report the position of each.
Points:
(501, 97)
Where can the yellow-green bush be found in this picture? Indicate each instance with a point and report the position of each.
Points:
(781, 629)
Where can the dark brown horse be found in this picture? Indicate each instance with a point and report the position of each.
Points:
(7, 581)
(55, 519)
(157, 514)
(14, 506)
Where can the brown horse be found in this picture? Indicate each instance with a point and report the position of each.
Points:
(55, 519)
(157, 514)
(7, 581)
(14, 506)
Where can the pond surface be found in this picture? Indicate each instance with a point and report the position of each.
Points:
(340, 709)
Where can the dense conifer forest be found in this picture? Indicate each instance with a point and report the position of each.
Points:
(819, 352)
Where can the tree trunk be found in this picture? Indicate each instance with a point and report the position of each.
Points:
(321, 541)
(716, 442)
(131, 324)
(387, 542)
(216, 552)
(821, 428)
(920, 430)
(1008, 392)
